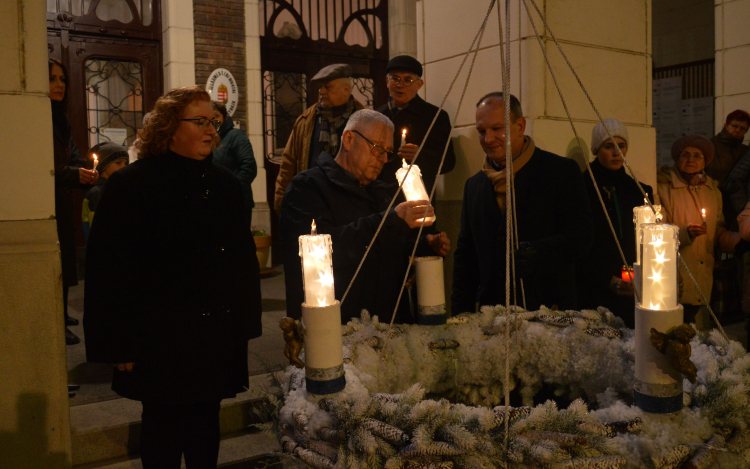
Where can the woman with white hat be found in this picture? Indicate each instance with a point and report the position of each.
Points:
(600, 281)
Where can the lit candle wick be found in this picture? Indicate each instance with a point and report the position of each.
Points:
(313, 229)
(96, 162)
(403, 137)
(703, 215)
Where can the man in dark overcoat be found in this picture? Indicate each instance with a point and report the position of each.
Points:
(347, 201)
(554, 218)
(408, 111)
(172, 291)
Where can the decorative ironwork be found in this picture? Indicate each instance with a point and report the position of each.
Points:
(114, 97)
(132, 18)
(284, 100)
(363, 90)
(360, 23)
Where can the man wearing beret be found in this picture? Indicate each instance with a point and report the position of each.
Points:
(319, 128)
(408, 111)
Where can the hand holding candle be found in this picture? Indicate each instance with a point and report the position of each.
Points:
(413, 186)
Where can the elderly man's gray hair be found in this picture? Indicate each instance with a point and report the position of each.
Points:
(365, 117)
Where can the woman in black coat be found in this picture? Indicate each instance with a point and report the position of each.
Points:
(600, 280)
(69, 175)
(172, 283)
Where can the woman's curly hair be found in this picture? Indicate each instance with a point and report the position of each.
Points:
(162, 122)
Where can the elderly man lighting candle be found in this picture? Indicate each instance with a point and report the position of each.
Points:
(348, 203)
(684, 189)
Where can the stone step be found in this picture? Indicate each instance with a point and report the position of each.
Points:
(108, 430)
(240, 450)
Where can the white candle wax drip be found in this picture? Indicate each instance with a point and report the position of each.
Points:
(660, 245)
(413, 186)
(641, 215)
(317, 269)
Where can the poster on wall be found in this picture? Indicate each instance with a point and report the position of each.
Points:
(118, 136)
(222, 87)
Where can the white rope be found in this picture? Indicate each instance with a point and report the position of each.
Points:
(445, 150)
(509, 255)
(627, 165)
(419, 151)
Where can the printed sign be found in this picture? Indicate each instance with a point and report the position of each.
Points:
(117, 136)
(222, 87)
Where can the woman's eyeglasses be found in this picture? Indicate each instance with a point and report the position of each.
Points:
(202, 122)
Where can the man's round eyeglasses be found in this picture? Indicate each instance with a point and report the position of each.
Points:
(202, 122)
(376, 149)
(408, 81)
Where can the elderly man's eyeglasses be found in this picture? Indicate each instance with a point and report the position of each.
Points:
(406, 81)
(376, 149)
(202, 122)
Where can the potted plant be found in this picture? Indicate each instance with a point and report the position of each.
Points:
(262, 247)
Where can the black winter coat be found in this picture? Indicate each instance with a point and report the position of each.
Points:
(350, 214)
(67, 161)
(620, 194)
(553, 216)
(172, 281)
(416, 118)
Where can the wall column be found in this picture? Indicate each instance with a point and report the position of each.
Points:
(178, 43)
(261, 212)
(402, 27)
(732, 59)
(35, 422)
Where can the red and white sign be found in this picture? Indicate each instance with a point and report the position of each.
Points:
(222, 87)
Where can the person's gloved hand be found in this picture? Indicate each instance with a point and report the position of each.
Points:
(621, 287)
(526, 260)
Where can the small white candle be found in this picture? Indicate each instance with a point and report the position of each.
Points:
(413, 186)
(403, 137)
(659, 266)
(96, 162)
(317, 268)
(703, 215)
(641, 215)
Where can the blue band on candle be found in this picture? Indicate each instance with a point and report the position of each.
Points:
(330, 386)
(658, 405)
(432, 319)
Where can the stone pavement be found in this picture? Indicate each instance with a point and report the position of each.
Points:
(265, 353)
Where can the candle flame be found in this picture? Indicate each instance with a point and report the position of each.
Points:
(403, 133)
(313, 228)
(703, 211)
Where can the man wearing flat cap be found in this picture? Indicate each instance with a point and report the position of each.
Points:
(319, 128)
(410, 112)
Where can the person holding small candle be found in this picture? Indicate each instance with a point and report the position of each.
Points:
(684, 191)
(411, 116)
(554, 219)
(111, 157)
(172, 291)
(319, 128)
(70, 175)
(347, 201)
(601, 278)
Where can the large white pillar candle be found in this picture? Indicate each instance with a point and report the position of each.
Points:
(659, 244)
(430, 290)
(644, 214)
(324, 352)
(317, 268)
(413, 186)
